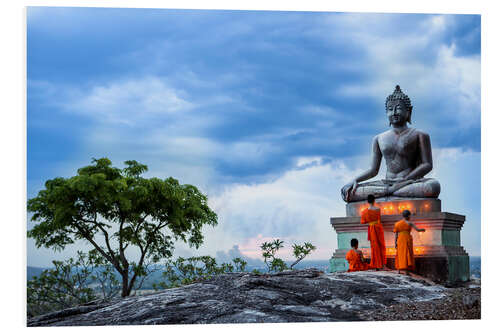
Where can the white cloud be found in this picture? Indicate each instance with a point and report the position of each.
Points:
(131, 101)
(128, 101)
(437, 23)
(460, 77)
(394, 58)
(308, 161)
(235, 252)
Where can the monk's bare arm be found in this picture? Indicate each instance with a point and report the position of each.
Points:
(426, 157)
(360, 255)
(415, 227)
(375, 166)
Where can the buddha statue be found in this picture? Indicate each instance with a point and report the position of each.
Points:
(408, 156)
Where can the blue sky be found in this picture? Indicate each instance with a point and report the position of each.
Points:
(267, 112)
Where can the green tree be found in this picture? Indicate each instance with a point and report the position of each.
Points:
(269, 250)
(64, 286)
(301, 251)
(72, 282)
(274, 264)
(116, 209)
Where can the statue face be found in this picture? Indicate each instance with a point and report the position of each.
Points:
(397, 112)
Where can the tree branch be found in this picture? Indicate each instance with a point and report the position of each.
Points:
(106, 235)
(112, 260)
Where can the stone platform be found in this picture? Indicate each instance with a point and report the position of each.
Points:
(438, 251)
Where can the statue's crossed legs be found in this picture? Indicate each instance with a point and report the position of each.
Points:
(419, 188)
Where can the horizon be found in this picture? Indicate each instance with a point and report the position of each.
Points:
(301, 262)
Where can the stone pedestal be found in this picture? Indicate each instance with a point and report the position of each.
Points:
(438, 253)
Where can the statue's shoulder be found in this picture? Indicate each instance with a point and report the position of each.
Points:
(383, 135)
(420, 133)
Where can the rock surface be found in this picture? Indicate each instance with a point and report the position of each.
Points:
(291, 296)
(459, 303)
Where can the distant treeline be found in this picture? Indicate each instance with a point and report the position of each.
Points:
(475, 269)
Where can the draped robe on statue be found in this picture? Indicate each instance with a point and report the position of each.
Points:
(375, 236)
(404, 252)
(355, 262)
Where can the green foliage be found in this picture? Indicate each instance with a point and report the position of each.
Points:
(301, 251)
(269, 250)
(239, 264)
(274, 264)
(70, 283)
(114, 209)
(188, 270)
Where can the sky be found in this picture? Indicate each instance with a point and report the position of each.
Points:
(269, 113)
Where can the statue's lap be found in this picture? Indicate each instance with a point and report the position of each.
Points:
(421, 188)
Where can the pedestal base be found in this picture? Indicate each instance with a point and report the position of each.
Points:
(438, 252)
(444, 270)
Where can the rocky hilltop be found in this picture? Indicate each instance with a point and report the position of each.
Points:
(291, 296)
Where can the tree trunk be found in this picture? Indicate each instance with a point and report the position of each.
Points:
(125, 291)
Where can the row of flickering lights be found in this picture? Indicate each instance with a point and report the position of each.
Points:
(391, 210)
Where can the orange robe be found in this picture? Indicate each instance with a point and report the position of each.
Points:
(404, 252)
(355, 262)
(375, 236)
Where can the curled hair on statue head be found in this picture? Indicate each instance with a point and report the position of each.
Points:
(399, 95)
(371, 198)
(406, 213)
(354, 242)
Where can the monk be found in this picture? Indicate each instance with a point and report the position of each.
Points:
(355, 258)
(405, 260)
(371, 216)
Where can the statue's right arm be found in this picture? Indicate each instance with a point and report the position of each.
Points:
(350, 188)
(375, 165)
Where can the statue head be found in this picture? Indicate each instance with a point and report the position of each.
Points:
(398, 108)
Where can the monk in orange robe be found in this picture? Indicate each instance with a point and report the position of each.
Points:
(405, 260)
(371, 216)
(355, 258)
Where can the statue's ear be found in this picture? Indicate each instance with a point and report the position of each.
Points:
(409, 114)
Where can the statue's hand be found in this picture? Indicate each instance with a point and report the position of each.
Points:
(354, 187)
(394, 187)
(348, 190)
(345, 191)
(391, 189)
